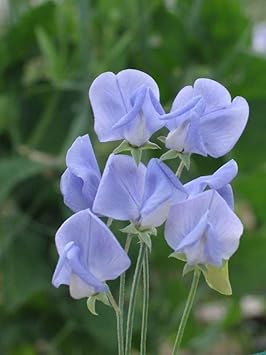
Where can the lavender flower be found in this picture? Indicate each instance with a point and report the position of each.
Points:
(125, 106)
(207, 231)
(89, 255)
(205, 120)
(136, 193)
(79, 182)
(219, 181)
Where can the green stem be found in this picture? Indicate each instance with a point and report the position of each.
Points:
(187, 310)
(145, 309)
(180, 169)
(118, 315)
(120, 324)
(132, 300)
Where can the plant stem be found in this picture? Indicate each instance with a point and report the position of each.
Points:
(180, 169)
(145, 309)
(132, 300)
(118, 314)
(120, 323)
(187, 310)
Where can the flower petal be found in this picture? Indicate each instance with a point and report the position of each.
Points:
(111, 99)
(220, 130)
(80, 181)
(214, 94)
(120, 192)
(162, 189)
(97, 254)
(218, 181)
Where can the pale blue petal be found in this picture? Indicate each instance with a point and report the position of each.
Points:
(121, 189)
(80, 181)
(204, 228)
(219, 181)
(162, 189)
(89, 255)
(220, 130)
(227, 226)
(213, 93)
(184, 217)
(118, 101)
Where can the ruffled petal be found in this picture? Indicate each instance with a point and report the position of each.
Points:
(121, 188)
(111, 99)
(80, 181)
(162, 189)
(218, 181)
(89, 251)
(207, 231)
(184, 217)
(220, 130)
(214, 94)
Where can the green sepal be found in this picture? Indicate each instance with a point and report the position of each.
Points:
(136, 154)
(109, 222)
(146, 239)
(91, 305)
(150, 145)
(91, 302)
(130, 229)
(187, 269)
(170, 154)
(179, 256)
(218, 278)
(123, 147)
(162, 139)
(185, 158)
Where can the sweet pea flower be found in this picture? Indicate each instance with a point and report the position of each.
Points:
(125, 106)
(79, 182)
(205, 120)
(219, 181)
(136, 193)
(204, 229)
(89, 255)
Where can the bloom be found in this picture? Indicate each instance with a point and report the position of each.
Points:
(125, 106)
(136, 193)
(219, 181)
(203, 228)
(79, 182)
(89, 254)
(205, 120)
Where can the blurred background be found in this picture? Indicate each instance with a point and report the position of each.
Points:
(50, 51)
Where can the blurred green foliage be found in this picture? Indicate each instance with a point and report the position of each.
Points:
(50, 51)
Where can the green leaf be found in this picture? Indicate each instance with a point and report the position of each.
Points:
(218, 279)
(13, 171)
(170, 154)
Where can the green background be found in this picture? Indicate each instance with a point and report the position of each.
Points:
(50, 51)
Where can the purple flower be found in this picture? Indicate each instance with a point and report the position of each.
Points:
(204, 229)
(219, 181)
(89, 255)
(205, 120)
(79, 182)
(136, 193)
(125, 106)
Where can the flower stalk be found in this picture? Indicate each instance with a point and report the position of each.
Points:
(145, 309)
(186, 312)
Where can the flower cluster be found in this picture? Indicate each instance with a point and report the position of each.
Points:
(201, 226)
